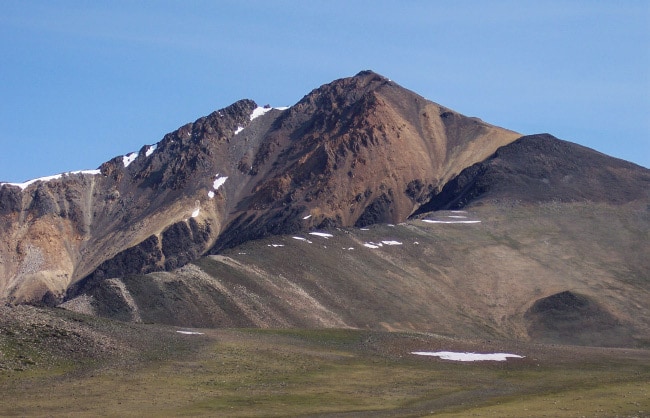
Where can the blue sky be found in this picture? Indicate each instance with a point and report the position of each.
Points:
(84, 81)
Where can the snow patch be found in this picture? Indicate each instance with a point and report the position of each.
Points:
(219, 181)
(302, 239)
(321, 234)
(211, 194)
(239, 129)
(373, 244)
(391, 243)
(150, 150)
(456, 356)
(306, 217)
(439, 221)
(259, 111)
(190, 332)
(196, 212)
(129, 158)
(275, 245)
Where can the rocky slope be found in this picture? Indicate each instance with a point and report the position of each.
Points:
(357, 151)
(552, 247)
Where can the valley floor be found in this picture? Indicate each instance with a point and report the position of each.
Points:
(120, 369)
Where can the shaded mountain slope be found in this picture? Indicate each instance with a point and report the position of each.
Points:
(355, 151)
(542, 168)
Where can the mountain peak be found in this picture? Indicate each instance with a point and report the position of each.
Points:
(356, 151)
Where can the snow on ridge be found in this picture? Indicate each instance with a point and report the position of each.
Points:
(150, 150)
(456, 356)
(25, 184)
(129, 158)
(259, 111)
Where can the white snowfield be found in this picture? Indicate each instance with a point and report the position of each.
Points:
(457, 356)
(190, 332)
(24, 185)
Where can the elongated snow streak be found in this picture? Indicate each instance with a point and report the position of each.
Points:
(391, 243)
(239, 129)
(321, 234)
(128, 159)
(306, 217)
(437, 221)
(302, 239)
(25, 184)
(455, 356)
(190, 332)
(373, 244)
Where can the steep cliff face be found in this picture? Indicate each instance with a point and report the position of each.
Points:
(356, 151)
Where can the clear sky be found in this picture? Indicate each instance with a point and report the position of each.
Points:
(84, 81)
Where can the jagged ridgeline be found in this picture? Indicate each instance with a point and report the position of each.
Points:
(190, 230)
(357, 151)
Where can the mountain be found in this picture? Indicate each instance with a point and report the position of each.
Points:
(357, 151)
(363, 205)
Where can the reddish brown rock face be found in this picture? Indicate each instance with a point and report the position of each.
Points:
(356, 151)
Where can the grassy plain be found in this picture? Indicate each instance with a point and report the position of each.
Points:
(149, 370)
